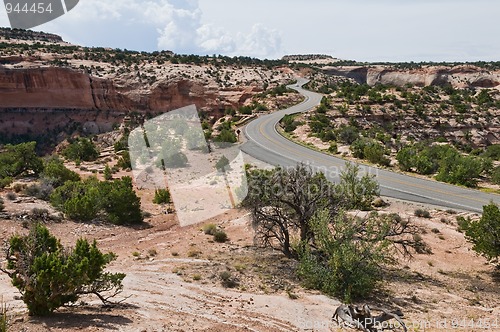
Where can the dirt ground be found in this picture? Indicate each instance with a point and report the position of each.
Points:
(173, 280)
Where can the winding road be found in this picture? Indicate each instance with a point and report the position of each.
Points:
(266, 144)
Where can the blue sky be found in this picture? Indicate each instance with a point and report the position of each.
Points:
(364, 30)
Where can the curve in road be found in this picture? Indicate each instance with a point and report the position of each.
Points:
(266, 144)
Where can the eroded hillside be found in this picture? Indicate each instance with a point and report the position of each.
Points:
(48, 86)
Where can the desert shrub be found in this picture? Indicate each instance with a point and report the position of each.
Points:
(228, 280)
(209, 229)
(463, 223)
(6, 181)
(220, 236)
(11, 196)
(347, 134)
(124, 161)
(85, 200)
(18, 160)
(4, 319)
(50, 276)
(121, 145)
(82, 149)
(357, 193)
(493, 152)
(78, 200)
(41, 190)
(289, 124)
(333, 148)
(457, 169)
(421, 213)
(108, 175)
(347, 255)
(56, 173)
(18, 187)
(484, 234)
(162, 196)
(39, 213)
(2, 206)
(120, 202)
(452, 166)
(370, 150)
(495, 175)
(227, 136)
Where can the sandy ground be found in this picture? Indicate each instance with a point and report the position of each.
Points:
(173, 281)
(173, 278)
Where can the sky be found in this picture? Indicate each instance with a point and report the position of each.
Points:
(362, 30)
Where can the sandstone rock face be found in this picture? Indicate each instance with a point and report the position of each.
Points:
(37, 100)
(459, 76)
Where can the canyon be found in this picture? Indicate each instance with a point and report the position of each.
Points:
(49, 86)
(458, 76)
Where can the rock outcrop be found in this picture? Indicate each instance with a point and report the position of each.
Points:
(36, 100)
(459, 76)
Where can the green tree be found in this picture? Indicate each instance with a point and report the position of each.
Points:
(162, 196)
(493, 152)
(81, 149)
(80, 201)
(84, 201)
(289, 124)
(370, 150)
(406, 158)
(347, 134)
(120, 203)
(484, 234)
(357, 192)
(227, 136)
(457, 169)
(107, 173)
(56, 173)
(49, 276)
(124, 162)
(349, 253)
(18, 160)
(495, 175)
(282, 202)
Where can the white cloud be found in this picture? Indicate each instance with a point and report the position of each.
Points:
(184, 32)
(175, 25)
(261, 40)
(212, 39)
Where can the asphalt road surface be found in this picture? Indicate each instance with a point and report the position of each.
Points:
(266, 144)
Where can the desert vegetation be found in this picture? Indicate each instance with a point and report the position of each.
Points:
(298, 243)
(438, 131)
(49, 276)
(303, 215)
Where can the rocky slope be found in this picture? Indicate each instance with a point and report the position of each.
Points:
(462, 76)
(46, 84)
